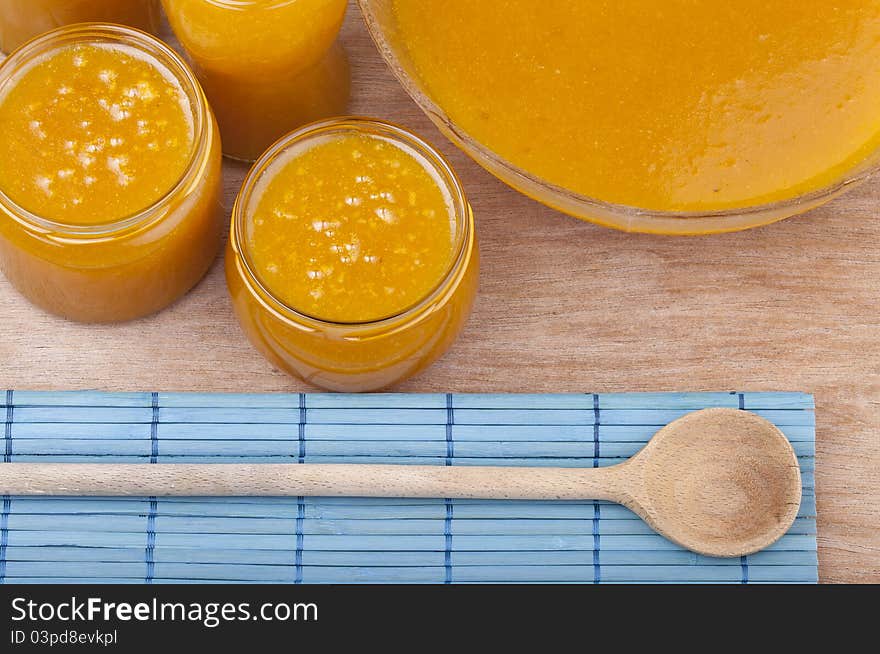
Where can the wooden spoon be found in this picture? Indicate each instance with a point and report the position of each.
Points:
(719, 482)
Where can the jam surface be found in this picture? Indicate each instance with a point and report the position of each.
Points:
(93, 133)
(684, 105)
(353, 228)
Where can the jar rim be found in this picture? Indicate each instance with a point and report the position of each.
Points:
(151, 46)
(461, 213)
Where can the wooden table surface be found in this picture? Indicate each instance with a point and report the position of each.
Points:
(566, 306)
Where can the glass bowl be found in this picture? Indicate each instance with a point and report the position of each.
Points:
(378, 15)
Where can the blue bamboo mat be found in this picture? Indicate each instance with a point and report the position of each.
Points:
(342, 540)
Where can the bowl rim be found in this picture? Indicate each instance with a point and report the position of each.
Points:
(719, 220)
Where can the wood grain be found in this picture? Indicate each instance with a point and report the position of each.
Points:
(567, 306)
(308, 479)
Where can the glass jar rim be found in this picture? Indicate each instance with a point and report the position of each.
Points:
(146, 44)
(461, 213)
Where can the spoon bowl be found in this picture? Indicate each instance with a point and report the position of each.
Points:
(721, 482)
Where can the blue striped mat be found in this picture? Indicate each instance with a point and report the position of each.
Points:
(350, 540)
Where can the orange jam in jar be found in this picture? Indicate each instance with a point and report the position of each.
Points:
(267, 66)
(352, 261)
(109, 174)
(21, 20)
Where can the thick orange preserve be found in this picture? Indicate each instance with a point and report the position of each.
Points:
(670, 105)
(93, 133)
(351, 230)
(109, 174)
(21, 20)
(352, 262)
(267, 66)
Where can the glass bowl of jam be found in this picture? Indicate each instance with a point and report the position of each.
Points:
(667, 116)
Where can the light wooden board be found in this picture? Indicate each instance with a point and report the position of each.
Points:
(567, 306)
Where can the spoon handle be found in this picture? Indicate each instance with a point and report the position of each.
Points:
(309, 480)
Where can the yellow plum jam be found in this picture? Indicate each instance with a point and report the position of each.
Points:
(352, 262)
(109, 174)
(662, 105)
(267, 67)
(93, 133)
(21, 20)
(352, 230)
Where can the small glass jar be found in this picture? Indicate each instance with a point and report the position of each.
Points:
(130, 267)
(21, 20)
(354, 357)
(266, 67)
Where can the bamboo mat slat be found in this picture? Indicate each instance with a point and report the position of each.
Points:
(361, 540)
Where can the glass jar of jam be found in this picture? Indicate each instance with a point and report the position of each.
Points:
(353, 261)
(110, 178)
(267, 67)
(21, 20)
